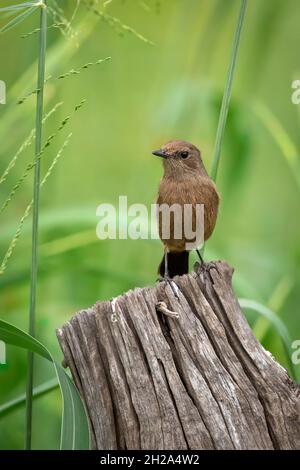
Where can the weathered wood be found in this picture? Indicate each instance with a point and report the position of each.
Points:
(199, 381)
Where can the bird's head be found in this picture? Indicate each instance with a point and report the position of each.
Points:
(180, 158)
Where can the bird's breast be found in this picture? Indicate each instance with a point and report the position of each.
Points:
(193, 191)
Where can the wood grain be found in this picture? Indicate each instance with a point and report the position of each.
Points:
(200, 381)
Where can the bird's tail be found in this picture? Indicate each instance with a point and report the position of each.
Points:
(178, 264)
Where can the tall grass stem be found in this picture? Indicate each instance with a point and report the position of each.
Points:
(35, 218)
(227, 92)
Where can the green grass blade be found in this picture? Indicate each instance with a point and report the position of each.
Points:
(227, 92)
(275, 303)
(280, 328)
(18, 19)
(35, 218)
(75, 430)
(276, 129)
(13, 335)
(38, 392)
(20, 6)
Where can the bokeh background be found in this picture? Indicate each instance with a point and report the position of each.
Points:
(145, 95)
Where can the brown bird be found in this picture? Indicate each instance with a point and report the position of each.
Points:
(185, 181)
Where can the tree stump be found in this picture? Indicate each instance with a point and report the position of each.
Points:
(151, 380)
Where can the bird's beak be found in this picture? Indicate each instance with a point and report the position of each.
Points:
(160, 153)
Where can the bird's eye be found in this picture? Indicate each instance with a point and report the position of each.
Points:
(184, 154)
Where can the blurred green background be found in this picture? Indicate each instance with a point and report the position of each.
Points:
(144, 96)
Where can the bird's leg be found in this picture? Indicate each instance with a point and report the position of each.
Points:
(167, 277)
(200, 256)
